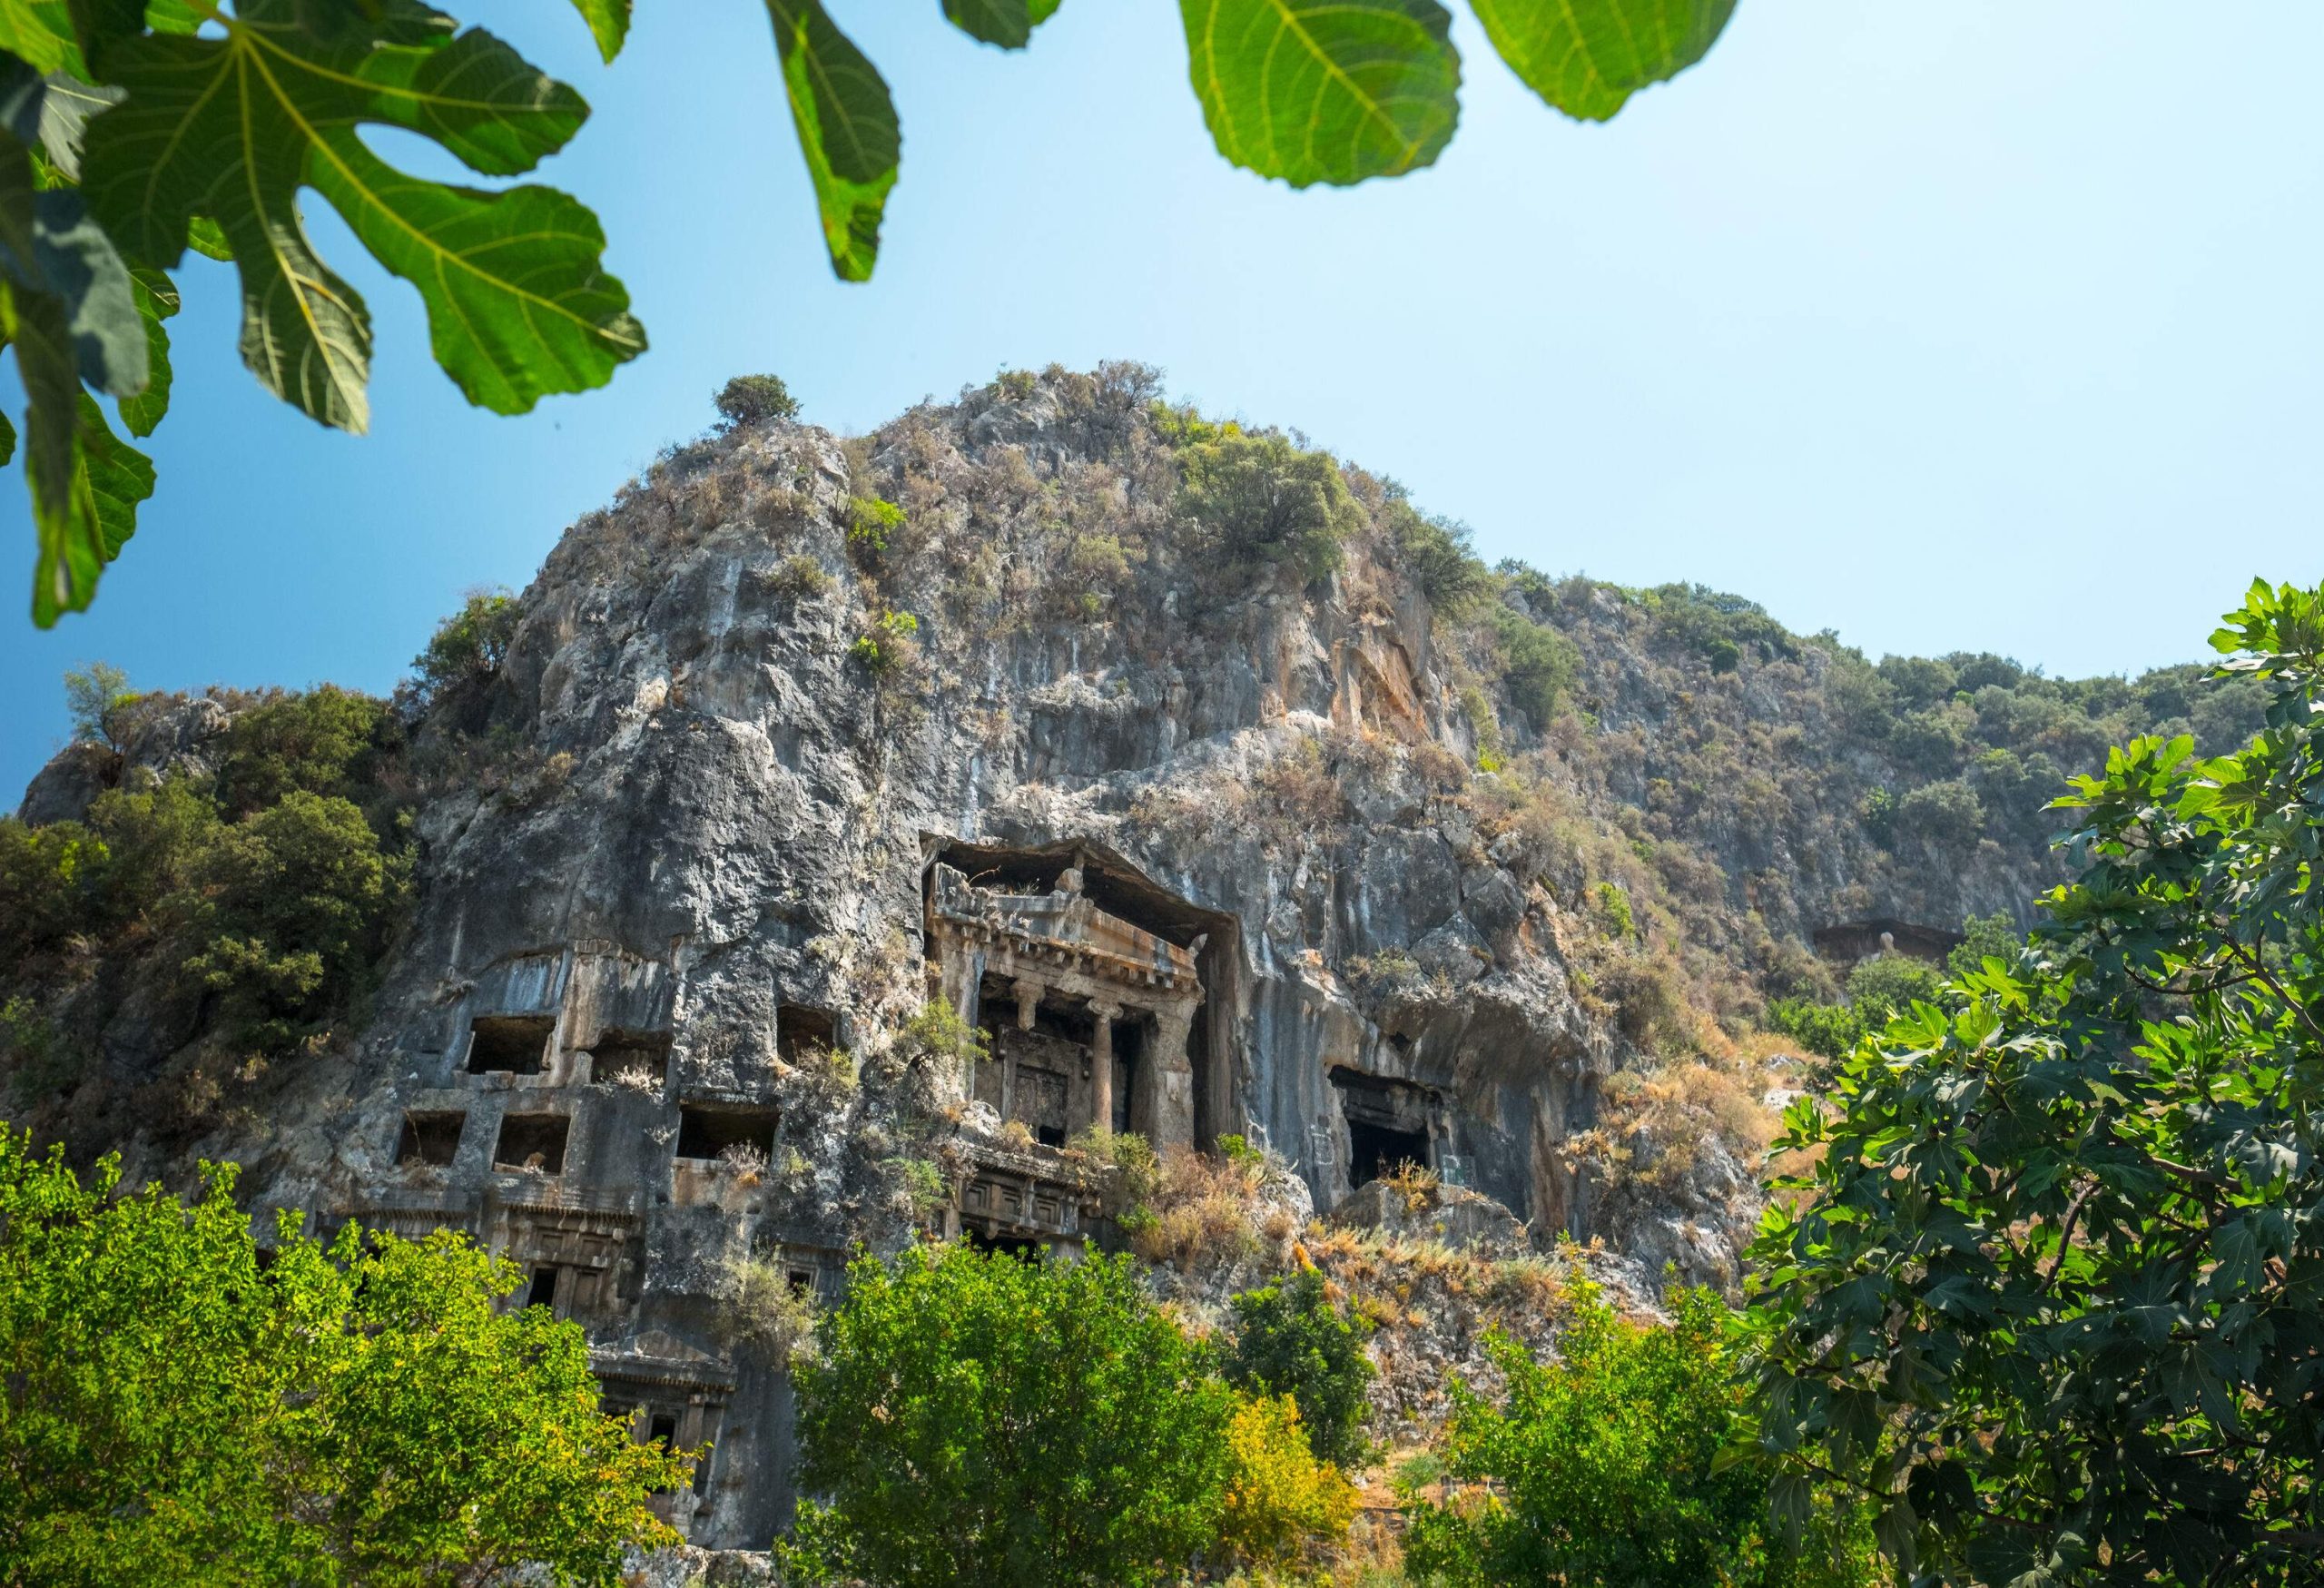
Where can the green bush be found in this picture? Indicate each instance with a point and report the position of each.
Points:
(1290, 1340)
(327, 741)
(1267, 501)
(351, 1412)
(1886, 986)
(293, 910)
(870, 523)
(2047, 1279)
(48, 876)
(1537, 664)
(467, 647)
(1947, 813)
(1436, 554)
(755, 400)
(1829, 1030)
(1603, 1469)
(1984, 937)
(1878, 990)
(887, 646)
(260, 923)
(1611, 906)
(977, 1421)
(98, 696)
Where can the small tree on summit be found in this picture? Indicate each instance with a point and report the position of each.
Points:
(753, 400)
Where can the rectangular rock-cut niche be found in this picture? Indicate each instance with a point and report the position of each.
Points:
(1387, 1124)
(638, 1058)
(509, 1044)
(800, 1029)
(432, 1139)
(533, 1142)
(707, 1132)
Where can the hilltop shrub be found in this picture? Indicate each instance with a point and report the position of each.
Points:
(1601, 1469)
(98, 697)
(1267, 501)
(351, 1412)
(755, 400)
(977, 1421)
(1290, 1339)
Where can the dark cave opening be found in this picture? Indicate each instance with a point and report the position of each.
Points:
(1375, 1150)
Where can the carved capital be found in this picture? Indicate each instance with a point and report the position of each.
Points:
(1029, 1000)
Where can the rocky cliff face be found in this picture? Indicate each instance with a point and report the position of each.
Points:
(672, 914)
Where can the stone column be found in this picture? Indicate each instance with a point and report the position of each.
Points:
(1029, 1002)
(1101, 1063)
(1169, 1081)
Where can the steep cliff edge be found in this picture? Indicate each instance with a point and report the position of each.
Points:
(1227, 794)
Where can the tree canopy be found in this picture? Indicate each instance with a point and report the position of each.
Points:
(360, 1410)
(2049, 1294)
(975, 1419)
(132, 131)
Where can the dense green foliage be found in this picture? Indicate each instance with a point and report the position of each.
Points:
(130, 133)
(241, 912)
(1536, 664)
(1290, 1340)
(467, 647)
(2049, 1292)
(980, 1421)
(1605, 1469)
(172, 1411)
(1885, 986)
(1267, 501)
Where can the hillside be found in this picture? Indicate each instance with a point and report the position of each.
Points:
(1218, 786)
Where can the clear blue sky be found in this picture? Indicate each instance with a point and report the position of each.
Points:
(1945, 324)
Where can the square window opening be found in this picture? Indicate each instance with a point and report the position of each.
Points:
(509, 1044)
(639, 1058)
(800, 1029)
(532, 1141)
(432, 1138)
(707, 1129)
(543, 1288)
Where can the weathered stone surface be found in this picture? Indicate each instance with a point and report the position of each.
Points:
(1449, 1214)
(735, 821)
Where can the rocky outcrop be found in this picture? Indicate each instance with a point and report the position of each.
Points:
(1217, 854)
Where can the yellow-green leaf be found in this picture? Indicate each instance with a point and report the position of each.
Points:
(609, 23)
(39, 33)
